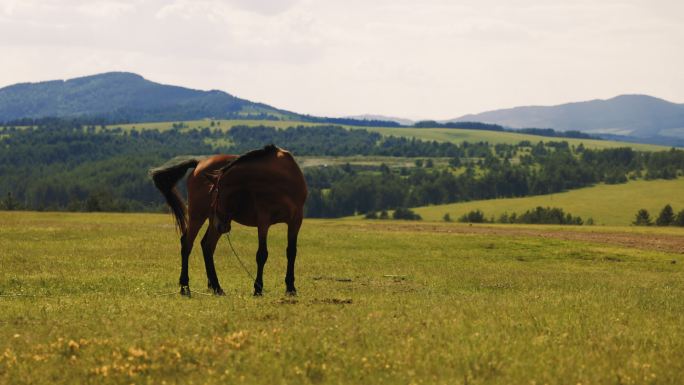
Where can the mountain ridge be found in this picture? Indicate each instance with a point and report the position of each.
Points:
(124, 96)
(635, 115)
(376, 117)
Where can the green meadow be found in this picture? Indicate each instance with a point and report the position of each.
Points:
(613, 205)
(437, 134)
(496, 137)
(92, 299)
(218, 123)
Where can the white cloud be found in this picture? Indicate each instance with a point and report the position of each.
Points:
(268, 7)
(106, 9)
(434, 58)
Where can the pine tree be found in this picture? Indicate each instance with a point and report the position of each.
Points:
(666, 216)
(9, 203)
(642, 218)
(679, 219)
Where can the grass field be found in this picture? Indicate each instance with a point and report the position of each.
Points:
(390, 161)
(221, 123)
(495, 137)
(614, 205)
(438, 134)
(91, 298)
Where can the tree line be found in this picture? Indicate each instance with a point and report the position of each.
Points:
(538, 215)
(666, 217)
(70, 165)
(544, 169)
(549, 132)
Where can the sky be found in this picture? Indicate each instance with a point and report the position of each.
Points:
(428, 59)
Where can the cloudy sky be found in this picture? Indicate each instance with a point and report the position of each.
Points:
(418, 59)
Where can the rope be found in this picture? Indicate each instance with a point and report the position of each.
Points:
(15, 295)
(22, 295)
(249, 274)
(29, 295)
(176, 293)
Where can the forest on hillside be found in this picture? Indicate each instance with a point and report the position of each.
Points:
(68, 165)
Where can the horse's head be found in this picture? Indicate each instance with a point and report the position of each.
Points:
(218, 216)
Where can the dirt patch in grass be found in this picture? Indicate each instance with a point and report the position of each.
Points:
(333, 301)
(660, 242)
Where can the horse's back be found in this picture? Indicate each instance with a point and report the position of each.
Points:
(213, 163)
(275, 174)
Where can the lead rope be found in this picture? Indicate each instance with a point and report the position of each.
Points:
(214, 188)
(249, 274)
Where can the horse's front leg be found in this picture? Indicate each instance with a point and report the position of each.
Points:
(292, 232)
(261, 257)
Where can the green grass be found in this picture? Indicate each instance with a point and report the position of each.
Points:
(221, 123)
(496, 137)
(390, 161)
(438, 134)
(378, 303)
(614, 205)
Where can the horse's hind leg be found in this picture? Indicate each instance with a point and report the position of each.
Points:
(208, 243)
(292, 233)
(186, 248)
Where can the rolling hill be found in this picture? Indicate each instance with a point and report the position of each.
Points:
(371, 117)
(507, 137)
(121, 97)
(456, 136)
(635, 116)
(613, 205)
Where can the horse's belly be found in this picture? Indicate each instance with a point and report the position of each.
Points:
(245, 208)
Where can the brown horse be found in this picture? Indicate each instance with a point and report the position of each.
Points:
(257, 189)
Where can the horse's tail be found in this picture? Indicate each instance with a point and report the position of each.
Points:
(165, 178)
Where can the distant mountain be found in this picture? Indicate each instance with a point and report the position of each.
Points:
(636, 116)
(402, 121)
(123, 96)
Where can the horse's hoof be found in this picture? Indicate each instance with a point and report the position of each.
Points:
(185, 291)
(291, 293)
(258, 289)
(215, 289)
(219, 292)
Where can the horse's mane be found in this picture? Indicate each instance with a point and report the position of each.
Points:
(251, 156)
